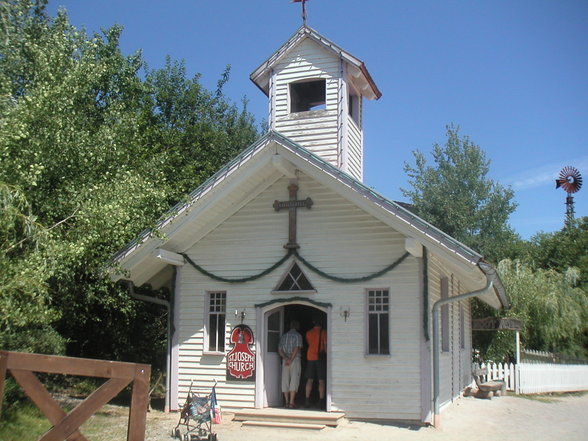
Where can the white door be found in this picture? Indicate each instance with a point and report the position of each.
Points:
(272, 366)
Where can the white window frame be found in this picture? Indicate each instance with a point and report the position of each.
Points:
(217, 310)
(382, 312)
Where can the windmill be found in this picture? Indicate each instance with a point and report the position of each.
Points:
(570, 180)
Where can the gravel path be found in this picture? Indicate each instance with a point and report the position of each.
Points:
(510, 418)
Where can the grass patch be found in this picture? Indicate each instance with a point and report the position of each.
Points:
(23, 423)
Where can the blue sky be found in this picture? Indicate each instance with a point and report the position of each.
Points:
(512, 74)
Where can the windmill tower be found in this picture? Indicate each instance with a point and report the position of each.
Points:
(571, 181)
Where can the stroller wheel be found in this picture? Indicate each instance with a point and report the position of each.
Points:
(212, 437)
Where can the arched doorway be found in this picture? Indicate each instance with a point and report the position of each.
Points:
(276, 321)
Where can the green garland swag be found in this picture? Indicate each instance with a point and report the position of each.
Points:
(242, 279)
(305, 262)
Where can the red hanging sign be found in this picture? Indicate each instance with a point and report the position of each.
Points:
(240, 359)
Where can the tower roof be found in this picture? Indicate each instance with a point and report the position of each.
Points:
(359, 72)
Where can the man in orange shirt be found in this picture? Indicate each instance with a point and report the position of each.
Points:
(316, 361)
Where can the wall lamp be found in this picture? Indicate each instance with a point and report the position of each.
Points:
(241, 314)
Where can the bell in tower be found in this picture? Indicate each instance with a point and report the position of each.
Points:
(315, 92)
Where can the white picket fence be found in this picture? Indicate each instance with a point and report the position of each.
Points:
(501, 371)
(540, 378)
(531, 378)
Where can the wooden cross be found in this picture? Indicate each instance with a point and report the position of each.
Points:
(292, 204)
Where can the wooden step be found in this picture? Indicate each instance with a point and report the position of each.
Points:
(306, 426)
(297, 416)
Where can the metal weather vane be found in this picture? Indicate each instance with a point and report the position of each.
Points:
(303, 9)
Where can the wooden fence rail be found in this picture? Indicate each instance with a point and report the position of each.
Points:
(66, 425)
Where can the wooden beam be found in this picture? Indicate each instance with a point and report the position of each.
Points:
(66, 426)
(169, 257)
(413, 246)
(37, 393)
(52, 364)
(85, 410)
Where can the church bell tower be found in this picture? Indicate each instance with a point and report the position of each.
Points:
(316, 92)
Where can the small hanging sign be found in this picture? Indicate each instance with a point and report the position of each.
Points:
(496, 324)
(240, 359)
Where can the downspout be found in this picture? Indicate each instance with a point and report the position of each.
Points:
(436, 346)
(168, 306)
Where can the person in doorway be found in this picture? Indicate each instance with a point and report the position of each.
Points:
(289, 349)
(316, 366)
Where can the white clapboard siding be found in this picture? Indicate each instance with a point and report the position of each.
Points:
(455, 364)
(340, 239)
(354, 149)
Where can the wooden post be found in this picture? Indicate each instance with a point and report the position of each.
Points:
(139, 404)
(3, 362)
(518, 347)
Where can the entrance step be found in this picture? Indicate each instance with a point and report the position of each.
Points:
(283, 425)
(273, 417)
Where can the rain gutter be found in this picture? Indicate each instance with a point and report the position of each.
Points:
(436, 337)
(168, 306)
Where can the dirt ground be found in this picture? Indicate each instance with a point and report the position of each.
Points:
(508, 418)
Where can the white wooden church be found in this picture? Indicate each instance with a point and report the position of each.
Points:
(287, 231)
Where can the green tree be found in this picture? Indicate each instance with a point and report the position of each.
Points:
(191, 131)
(98, 153)
(562, 249)
(553, 308)
(456, 196)
(27, 316)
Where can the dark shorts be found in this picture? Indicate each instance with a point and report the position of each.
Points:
(316, 369)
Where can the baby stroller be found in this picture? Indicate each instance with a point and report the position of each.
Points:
(196, 416)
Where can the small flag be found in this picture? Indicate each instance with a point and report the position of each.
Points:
(215, 409)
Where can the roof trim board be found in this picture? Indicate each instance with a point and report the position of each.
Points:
(260, 76)
(464, 259)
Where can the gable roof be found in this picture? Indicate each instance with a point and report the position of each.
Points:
(264, 162)
(261, 75)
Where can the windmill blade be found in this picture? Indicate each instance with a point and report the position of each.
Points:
(570, 180)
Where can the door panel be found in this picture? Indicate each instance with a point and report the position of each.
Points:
(274, 321)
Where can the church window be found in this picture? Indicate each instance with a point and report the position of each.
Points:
(215, 323)
(378, 317)
(353, 107)
(308, 95)
(295, 280)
